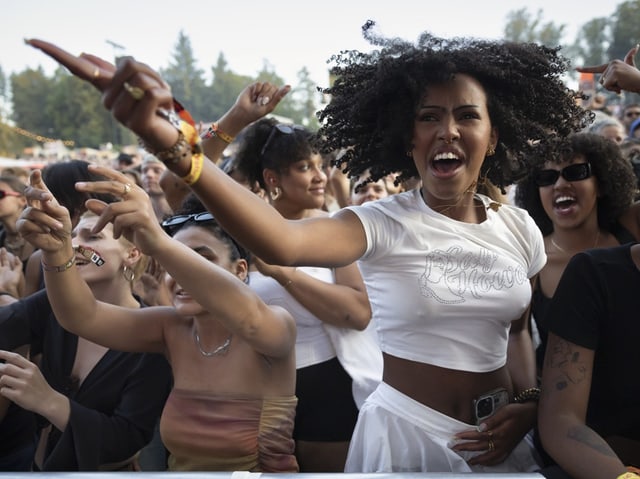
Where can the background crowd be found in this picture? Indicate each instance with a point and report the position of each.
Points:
(401, 290)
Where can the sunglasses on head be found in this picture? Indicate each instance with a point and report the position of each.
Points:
(577, 172)
(4, 194)
(172, 224)
(279, 128)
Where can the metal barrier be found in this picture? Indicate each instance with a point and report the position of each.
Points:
(257, 475)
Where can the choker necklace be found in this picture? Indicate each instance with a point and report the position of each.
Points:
(220, 350)
(562, 250)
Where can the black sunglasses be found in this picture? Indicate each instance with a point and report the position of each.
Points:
(577, 172)
(174, 223)
(4, 194)
(284, 129)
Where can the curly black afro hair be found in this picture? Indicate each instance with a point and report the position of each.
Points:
(616, 180)
(375, 97)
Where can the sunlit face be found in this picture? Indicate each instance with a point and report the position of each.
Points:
(451, 136)
(114, 252)
(569, 204)
(204, 242)
(303, 184)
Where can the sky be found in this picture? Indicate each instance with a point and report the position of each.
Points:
(288, 34)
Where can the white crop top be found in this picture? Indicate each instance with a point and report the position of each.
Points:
(444, 292)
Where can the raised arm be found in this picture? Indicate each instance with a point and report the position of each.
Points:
(141, 101)
(46, 224)
(618, 75)
(269, 330)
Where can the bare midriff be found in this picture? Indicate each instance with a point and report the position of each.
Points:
(448, 391)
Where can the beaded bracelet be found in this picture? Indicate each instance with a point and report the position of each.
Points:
(197, 162)
(214, 131)
(530, 394)
(62, 267)
(188, 143)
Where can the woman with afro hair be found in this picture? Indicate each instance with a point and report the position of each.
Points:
(580, 195)
(447, 269)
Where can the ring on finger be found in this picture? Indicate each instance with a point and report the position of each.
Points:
(492, 446)
(136, 92)
(126, 190)
(264, 100)
(96, 73)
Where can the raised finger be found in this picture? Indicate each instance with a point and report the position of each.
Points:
(593, 69)
(80, 67)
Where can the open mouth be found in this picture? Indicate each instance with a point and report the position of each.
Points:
(446, 164)
(564, 204)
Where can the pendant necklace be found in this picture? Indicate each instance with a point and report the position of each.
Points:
(562, 250)
(220, 350)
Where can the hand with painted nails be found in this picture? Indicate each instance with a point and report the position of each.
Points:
(618, 75)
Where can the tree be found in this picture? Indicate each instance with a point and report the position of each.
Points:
(522, 26)
(186, 79)
(224, 89)
(624, 28)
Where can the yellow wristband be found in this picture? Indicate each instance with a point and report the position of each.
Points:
(197, 163)
(628, 475)
(215, 131)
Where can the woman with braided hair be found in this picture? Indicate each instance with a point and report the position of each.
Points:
(446, 269)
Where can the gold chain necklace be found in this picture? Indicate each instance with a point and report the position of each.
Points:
(220, 350)
(562, 250)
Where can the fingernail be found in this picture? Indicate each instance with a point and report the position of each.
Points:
(482, 427)
(80, 184)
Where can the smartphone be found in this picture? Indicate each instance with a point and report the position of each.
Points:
(487, 404)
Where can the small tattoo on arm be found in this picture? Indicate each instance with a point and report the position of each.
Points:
(567, 362)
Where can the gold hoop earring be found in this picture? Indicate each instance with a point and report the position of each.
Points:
(128, 274)
(275, 193)
(491, 150)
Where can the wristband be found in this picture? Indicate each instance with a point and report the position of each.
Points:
(628, 475)
(197, 162)
(61, 268)
(215, 132)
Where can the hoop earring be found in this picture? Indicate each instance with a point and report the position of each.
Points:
(275, 193)
(128, 274)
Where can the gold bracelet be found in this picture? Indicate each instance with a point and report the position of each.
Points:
(197, 162)
(174, 154)
(529, 394)
(61, 268)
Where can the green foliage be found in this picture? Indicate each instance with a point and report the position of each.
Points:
(64, 107)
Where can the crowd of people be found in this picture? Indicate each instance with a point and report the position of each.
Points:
(363, 298)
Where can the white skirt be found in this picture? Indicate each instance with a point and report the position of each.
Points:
(395, 433)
